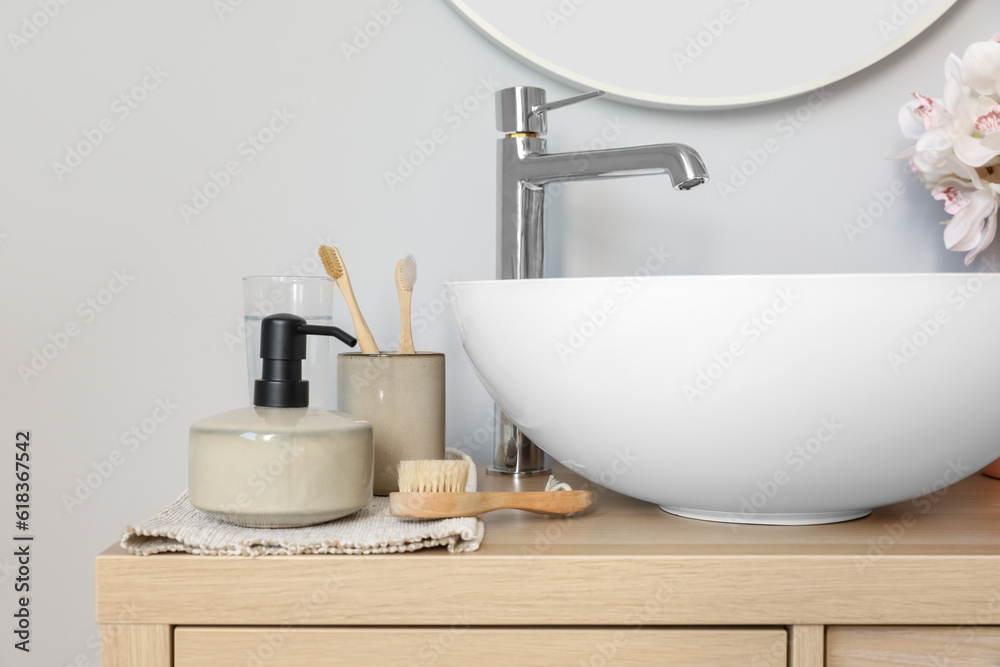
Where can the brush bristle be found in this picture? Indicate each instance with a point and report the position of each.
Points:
(406, 273)
(330, 257)
(433, 476)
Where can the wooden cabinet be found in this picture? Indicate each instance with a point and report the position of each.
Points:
(624, 584)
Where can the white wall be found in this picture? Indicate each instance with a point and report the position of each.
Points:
(163, 337)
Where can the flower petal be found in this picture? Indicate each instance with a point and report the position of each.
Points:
(981, 67)
(910, 123)
(953, 98)
(961, 183)
(954, 198)
(988, 235)
(934, 153)
(965, 230)
(972, 151)
(937, 113)
(935, 141)
(992, 142)
(953, 68)
(903, 155)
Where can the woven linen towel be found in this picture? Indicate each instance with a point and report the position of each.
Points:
(372, 530)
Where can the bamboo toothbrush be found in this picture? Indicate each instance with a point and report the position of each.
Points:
(334, 266)
(406, 276)
(436, 489)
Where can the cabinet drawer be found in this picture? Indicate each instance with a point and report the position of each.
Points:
(887, 646)
(483, 647)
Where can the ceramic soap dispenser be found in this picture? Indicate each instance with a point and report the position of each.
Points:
(280, 463)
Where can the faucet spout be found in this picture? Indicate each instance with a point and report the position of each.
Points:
(524, 168)
(681, 163)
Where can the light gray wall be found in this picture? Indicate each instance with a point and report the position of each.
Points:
(163, 336)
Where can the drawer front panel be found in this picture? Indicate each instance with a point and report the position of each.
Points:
(483, 647)
(892, 646)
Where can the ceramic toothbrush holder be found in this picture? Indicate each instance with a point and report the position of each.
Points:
(403, 397)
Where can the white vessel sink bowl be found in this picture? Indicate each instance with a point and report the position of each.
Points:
(787, 399)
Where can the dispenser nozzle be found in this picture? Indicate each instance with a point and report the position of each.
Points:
(283, 347)
(336, 332)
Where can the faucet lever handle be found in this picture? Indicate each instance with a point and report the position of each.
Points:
(539, 109)
(522, 109)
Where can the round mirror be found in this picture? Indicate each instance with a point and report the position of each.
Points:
(730, 53)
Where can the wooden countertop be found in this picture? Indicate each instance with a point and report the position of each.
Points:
(933, 560)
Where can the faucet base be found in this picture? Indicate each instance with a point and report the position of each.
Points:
(515, 455)
(511, 472)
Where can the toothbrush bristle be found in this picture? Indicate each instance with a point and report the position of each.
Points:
(407, 270)
(433, 476)
(330, 257)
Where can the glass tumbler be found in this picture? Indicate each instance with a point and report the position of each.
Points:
(309, 297)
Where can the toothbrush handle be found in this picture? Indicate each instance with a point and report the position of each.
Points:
(405, 331)
(361, 330)
(443, 505)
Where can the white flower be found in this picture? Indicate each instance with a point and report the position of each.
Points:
(974, 224)
(977, 136)
(957, 146)
(981, 67)
(954, 193)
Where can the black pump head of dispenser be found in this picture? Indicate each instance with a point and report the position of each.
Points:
(283, 347)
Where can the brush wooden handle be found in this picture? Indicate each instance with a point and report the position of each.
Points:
(364, 335)
(405, 331)
(446, 505)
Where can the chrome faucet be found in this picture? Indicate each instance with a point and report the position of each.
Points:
(523, 170)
